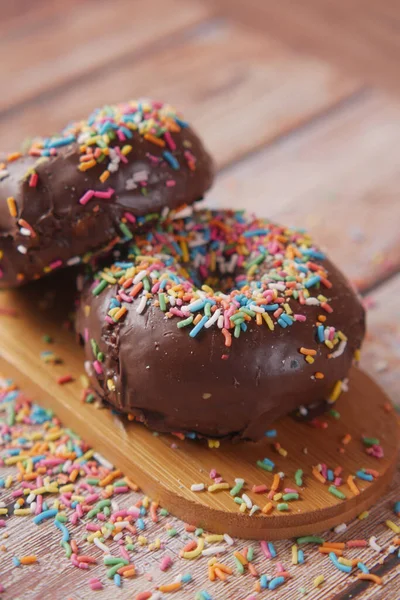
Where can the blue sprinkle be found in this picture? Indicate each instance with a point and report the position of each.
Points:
(243, 326)
(271, 433)
(313, 253)
(140, 524)
(143, 511)
(320, 333)
(330, 474)
(396, 507)
(337, 564)
(117, 579)
(126, 131)
(13, 451)
(46, 514)
(65, 532)
(264, 582)
(282, 323)
(204, 595)
(286, 318)
(198, 305)
(300, 557)
(364, 476)
(272, 550)
(171, 160)
(362, 567)
(276, 582)
(253, 232)
(268, 462)
(198, 327)
(182, 124)
(61, 142)
(312, 281)
(271, 307)
(16, 561)
(186, 578)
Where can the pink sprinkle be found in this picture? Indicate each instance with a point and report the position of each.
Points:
(121, 489)
(165, 563)
(259, 489)
(86, 197)
(279, 567)
(109, 320)
(121, 156)
(129, 217)
(213, 474)
(91, 498)
(264, 548)
(124, 296)
(39, 502)
(123, 552)
(169, 140)
(79, 510)
(73, 518)
(170, 183)
(104, 195)
(2, 523)
(92, 527)
(17, 493)
(338, 481)
(290, 491)
(299, 317)
(95, 585)
(56, 264)
(97, 367)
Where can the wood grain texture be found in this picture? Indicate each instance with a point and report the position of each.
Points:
(80, 37)
(156, 465)
(337, 177)
(362, 37)
(240, 90)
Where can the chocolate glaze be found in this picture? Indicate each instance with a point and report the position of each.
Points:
(66, 230)
(176, 383)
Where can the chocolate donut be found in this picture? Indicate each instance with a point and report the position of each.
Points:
(95, 183)
(218, 324)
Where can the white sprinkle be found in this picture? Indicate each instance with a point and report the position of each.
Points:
(281, 475)
(340, 528)
(75, 260)
(211, 551)
(3, 174)
(25, 231)
(239, 480)
(103, 461)
(197, 487)
(340, 349)
(2, 504)
(156, 596)
(277, 286)
(345, 384)
(100, 545)
(303, 411)
(140, 176)
(141, 275)
(67, 465)
(122, 524)
(30, 498)
(257, 309)
(213, 318)
(185, 212)
(228, 539)
(374, 545)
(247, 501)
(220, 322)
(254, 509)
(312, 301)
(33, 507)
(118, 536)
(392, 549)
(22, 249)
(142, 305)
(88, 368)
(114, 505)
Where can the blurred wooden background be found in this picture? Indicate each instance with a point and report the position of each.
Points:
(298, 102)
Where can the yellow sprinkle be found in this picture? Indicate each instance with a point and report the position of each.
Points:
(69, 487)
(87, 310)
(345, 561)
(243, 507)
(322, 298)
(336, 391)
(294, 555)
(8, 482)
(210, 539)
(309, 359)
(111, 385)
(216, 487)
(126, 149)
(91, 536)
(77, 498)
(22, 512)
(84, 381)
(363, 515)
(185, 251)
(142, 540)
(318, 580)
(392, 526)
(3, 511)
(85, 456)
(268, 321)
(196, 552)
(108, 278)
(342, 336)
(53, 436)
(12, 206)
(287, 308)
(146, 502)
(12, 460)
(357, 355)
(277, 496)
(213, 443)
(329, 344)
(206, 288)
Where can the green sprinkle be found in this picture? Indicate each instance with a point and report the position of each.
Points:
(236, 489)
(238, 500)
(282, 506)
(161, 299)
(310, 539)
(130, 547)
(125, 230)
(250, 553)
(93, 481)
(114, 560)
(335, 492)
(249, 312)
(265, 466)
(334, 413)
(185, 322)
(67, 548)
(47, 339)
(199, 531)
(90, 398)
(298, 477)
(100, 357)
(146, 284)
(290, 496)
(95, 348)
(61, 518)
(207, 309)
(370, 441)
(10, 415)
(164, 512)
(100, 287)
(111, 572)
(239, 566)
(172, 532)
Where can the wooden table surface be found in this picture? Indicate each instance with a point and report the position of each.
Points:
(301, 132)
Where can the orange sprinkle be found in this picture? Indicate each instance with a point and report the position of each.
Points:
(12, 206)
(73, 475)
(220, 574)
(370, 577)
(197, 319)
(276, 482)
(120, 313)
(223, 568)
(267, 508)
(104, 176)
(346, 439)
(240, 558)
(131, 485)
(170, 587)
(155, 140)
(14, 156)
(322, 318)
(110, 478)
(329, 550)
(85, 166)
(308, 351)
(252, 570)
(28, 560)
(319, 375)
(136, 289)
(228, 337)
(352, 485)
(211, 573)
(337, 545)
(318, 475)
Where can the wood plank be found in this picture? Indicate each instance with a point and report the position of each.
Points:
(359, 36)
(338, 178)
(381, 353)
(239, 89)
(81, 36)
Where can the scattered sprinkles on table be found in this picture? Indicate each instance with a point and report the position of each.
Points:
(57, 482)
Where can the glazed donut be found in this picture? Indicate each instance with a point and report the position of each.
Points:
(217, 324)
(95, 183)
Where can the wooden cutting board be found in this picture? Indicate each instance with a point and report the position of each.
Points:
(165, 467)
